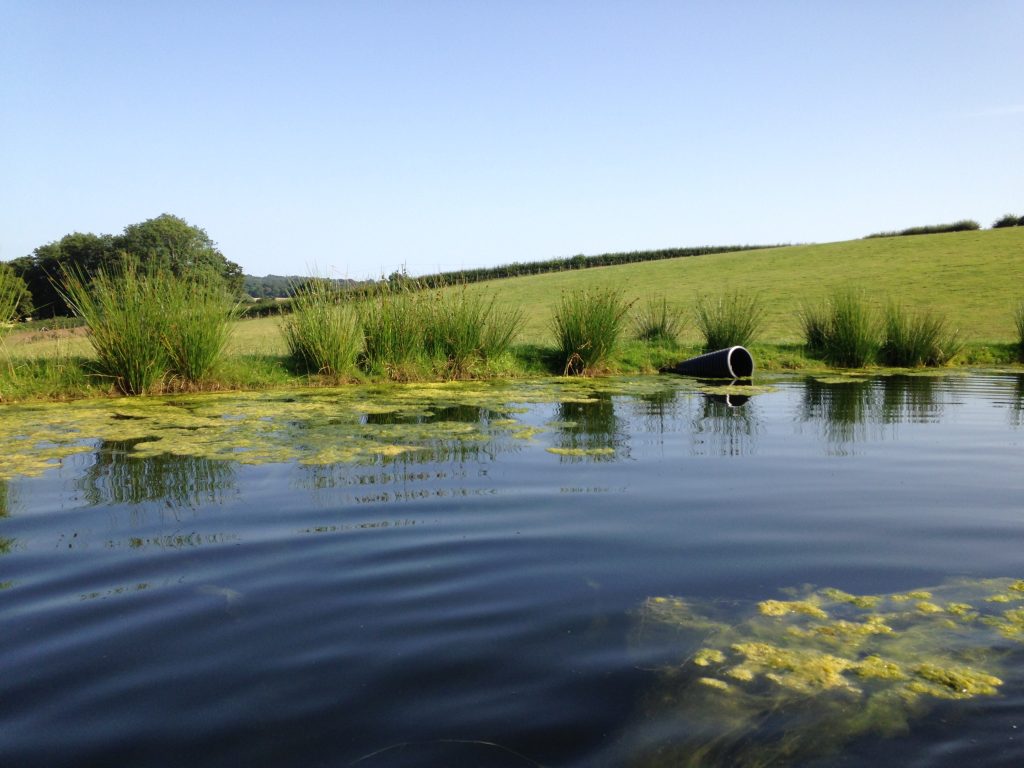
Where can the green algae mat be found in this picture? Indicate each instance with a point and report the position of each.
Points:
(798, 678)
(316, 427)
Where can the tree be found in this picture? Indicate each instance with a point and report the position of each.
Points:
(81, 251)
(166, 242)
(1007, 220)
(171, 243)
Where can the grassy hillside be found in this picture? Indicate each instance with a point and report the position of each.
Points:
(976, 278)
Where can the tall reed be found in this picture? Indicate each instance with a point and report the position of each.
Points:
(916, 339)
(127, 323)
(323, 333)
(462, 330)
(9, 297)
(1019, 321)
(393, 324)
(657, 322)
(816, 323)
(199, 319)
(587, 326)
(852, 330)
(151, 328)
(732, 319)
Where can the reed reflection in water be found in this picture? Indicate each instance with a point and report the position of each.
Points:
(117, 477)
(590, 430)
(725, 425)
(858, 410)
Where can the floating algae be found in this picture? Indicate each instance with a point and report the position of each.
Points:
(795, 680)
(458, 420)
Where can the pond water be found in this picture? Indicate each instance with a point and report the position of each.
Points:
(638, 572)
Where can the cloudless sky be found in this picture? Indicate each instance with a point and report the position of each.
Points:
(363, 137)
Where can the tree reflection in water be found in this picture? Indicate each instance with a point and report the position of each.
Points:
(117, 477)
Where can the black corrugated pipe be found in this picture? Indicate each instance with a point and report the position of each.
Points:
(731, 363)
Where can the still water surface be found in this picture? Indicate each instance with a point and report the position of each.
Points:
(481, 576)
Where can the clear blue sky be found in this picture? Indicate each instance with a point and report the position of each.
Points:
(363, 136)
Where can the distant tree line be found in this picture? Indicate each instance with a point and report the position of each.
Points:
(166, 243)
(964, 225)
(1008, 220)
(519, 269)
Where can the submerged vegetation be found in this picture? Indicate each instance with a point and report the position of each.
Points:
(314, 426)
(797, 679)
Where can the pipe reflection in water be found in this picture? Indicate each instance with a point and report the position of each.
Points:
(117, 477)
(726, 423)
(589, 428)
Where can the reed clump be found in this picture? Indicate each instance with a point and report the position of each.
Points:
(150, 329)
(916, 339)
(462, 331)
(394, 333)
(732, 319)
(200, 318)
(655, 321)
(323, 333)
(587, 326)
(413, 333)
(843, 330)
(1019, 321)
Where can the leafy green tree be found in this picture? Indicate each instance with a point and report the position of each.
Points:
(170, 243)
(1007, 220)
(81, 251)
(166, 243)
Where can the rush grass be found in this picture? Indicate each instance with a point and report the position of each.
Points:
(323, 333)
(913, 339)
(1019, 322)
(844, 329)
(731, 319)
(150, 329)
(658, 322)
(587, 327)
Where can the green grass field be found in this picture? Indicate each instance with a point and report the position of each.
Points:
(975, 279)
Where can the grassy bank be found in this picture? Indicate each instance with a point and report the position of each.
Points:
(971, 280)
